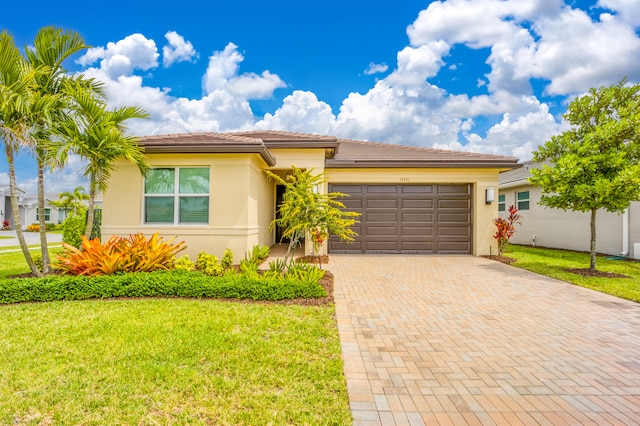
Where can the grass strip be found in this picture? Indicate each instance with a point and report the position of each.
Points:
(554, 263)
(170, 361)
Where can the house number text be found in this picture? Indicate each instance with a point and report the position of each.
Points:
(404, 179)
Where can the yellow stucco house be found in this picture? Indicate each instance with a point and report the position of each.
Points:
(209, 190)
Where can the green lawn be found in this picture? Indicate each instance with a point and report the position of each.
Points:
(170, 361)
(13, 263)
(553, 263)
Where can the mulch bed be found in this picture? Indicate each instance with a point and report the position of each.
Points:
(321, 259)
(502, 259)
(586, 272)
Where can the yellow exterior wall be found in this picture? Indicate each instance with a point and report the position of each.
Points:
(308, 158)
(238, 195)
(481, 179)
(242, 198)
(312, 158)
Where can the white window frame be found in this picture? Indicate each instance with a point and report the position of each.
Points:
(177, 195)
(524, 200)
(47, 212)
(502, 202)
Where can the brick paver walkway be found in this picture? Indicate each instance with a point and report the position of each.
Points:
(463, 340)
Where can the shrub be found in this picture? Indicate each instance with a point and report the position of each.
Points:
(6, 224)
(227, 259)
(505, 228)
(184, 264)
(257, 254)
(34, 227)
(159, 283)
(303, 272)
(72, 230)
(118, 254)
(208, 264)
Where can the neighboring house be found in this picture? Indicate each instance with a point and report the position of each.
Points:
(5, 204)
(616, 234)
(28, 207)
(30, 213)
(209, 190)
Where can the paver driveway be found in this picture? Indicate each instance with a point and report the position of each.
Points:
(465, 340)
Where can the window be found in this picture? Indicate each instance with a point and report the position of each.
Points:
(502, 203)
(47, 215)
(522, 199)
(177, 195)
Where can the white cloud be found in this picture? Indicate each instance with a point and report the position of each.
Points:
(575, 53)
(374, 68)
(178, 50)
(121, 58)
(629, 10)
(538, 39)
(222, 74)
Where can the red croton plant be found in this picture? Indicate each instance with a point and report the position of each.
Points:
(505, 228)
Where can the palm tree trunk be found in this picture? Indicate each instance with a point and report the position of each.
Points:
(15, 211)
(42, 221)
(592, 259)
(90, 211)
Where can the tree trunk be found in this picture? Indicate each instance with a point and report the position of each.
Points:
(90, 212)
(592, 260)
(15, 210)
(42, 221)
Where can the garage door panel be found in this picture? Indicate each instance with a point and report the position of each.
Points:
(417, 217)
(382, 216)
(447, 231)
(453, 247)
(353, 190)
(344, 247)
(417, 204)
(454, 189)
(446, 218)
(429, 219)
(463, 204)
(425, 247)
(409, 231)
(352, 203)
(381, 189)
(378, 203)
(373, 230)
(416, 189)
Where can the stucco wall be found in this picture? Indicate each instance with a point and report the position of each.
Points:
(481, 179)
(235, 200)
(309, 158)
(569, 230)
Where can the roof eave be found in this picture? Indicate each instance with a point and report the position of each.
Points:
(213, 149)
(502, 165)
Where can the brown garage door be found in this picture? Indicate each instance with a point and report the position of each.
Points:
(430, 219)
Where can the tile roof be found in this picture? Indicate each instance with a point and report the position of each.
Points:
(343, 153)
(206, 143)
(354, 153)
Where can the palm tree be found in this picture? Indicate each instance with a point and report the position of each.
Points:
(17, 80)
(100, 136)
(51, 48)
(71, 200)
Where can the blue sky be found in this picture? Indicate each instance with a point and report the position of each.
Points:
(479, 75)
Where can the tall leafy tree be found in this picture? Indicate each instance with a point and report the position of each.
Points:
(100, 136)
(17, 81)
(305, 211)
(72, 201)
(595, 164)
(51, 47)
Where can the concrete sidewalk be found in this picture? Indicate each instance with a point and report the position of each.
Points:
(461, 340)
(30, 237)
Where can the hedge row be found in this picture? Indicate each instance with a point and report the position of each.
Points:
(161, 283)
